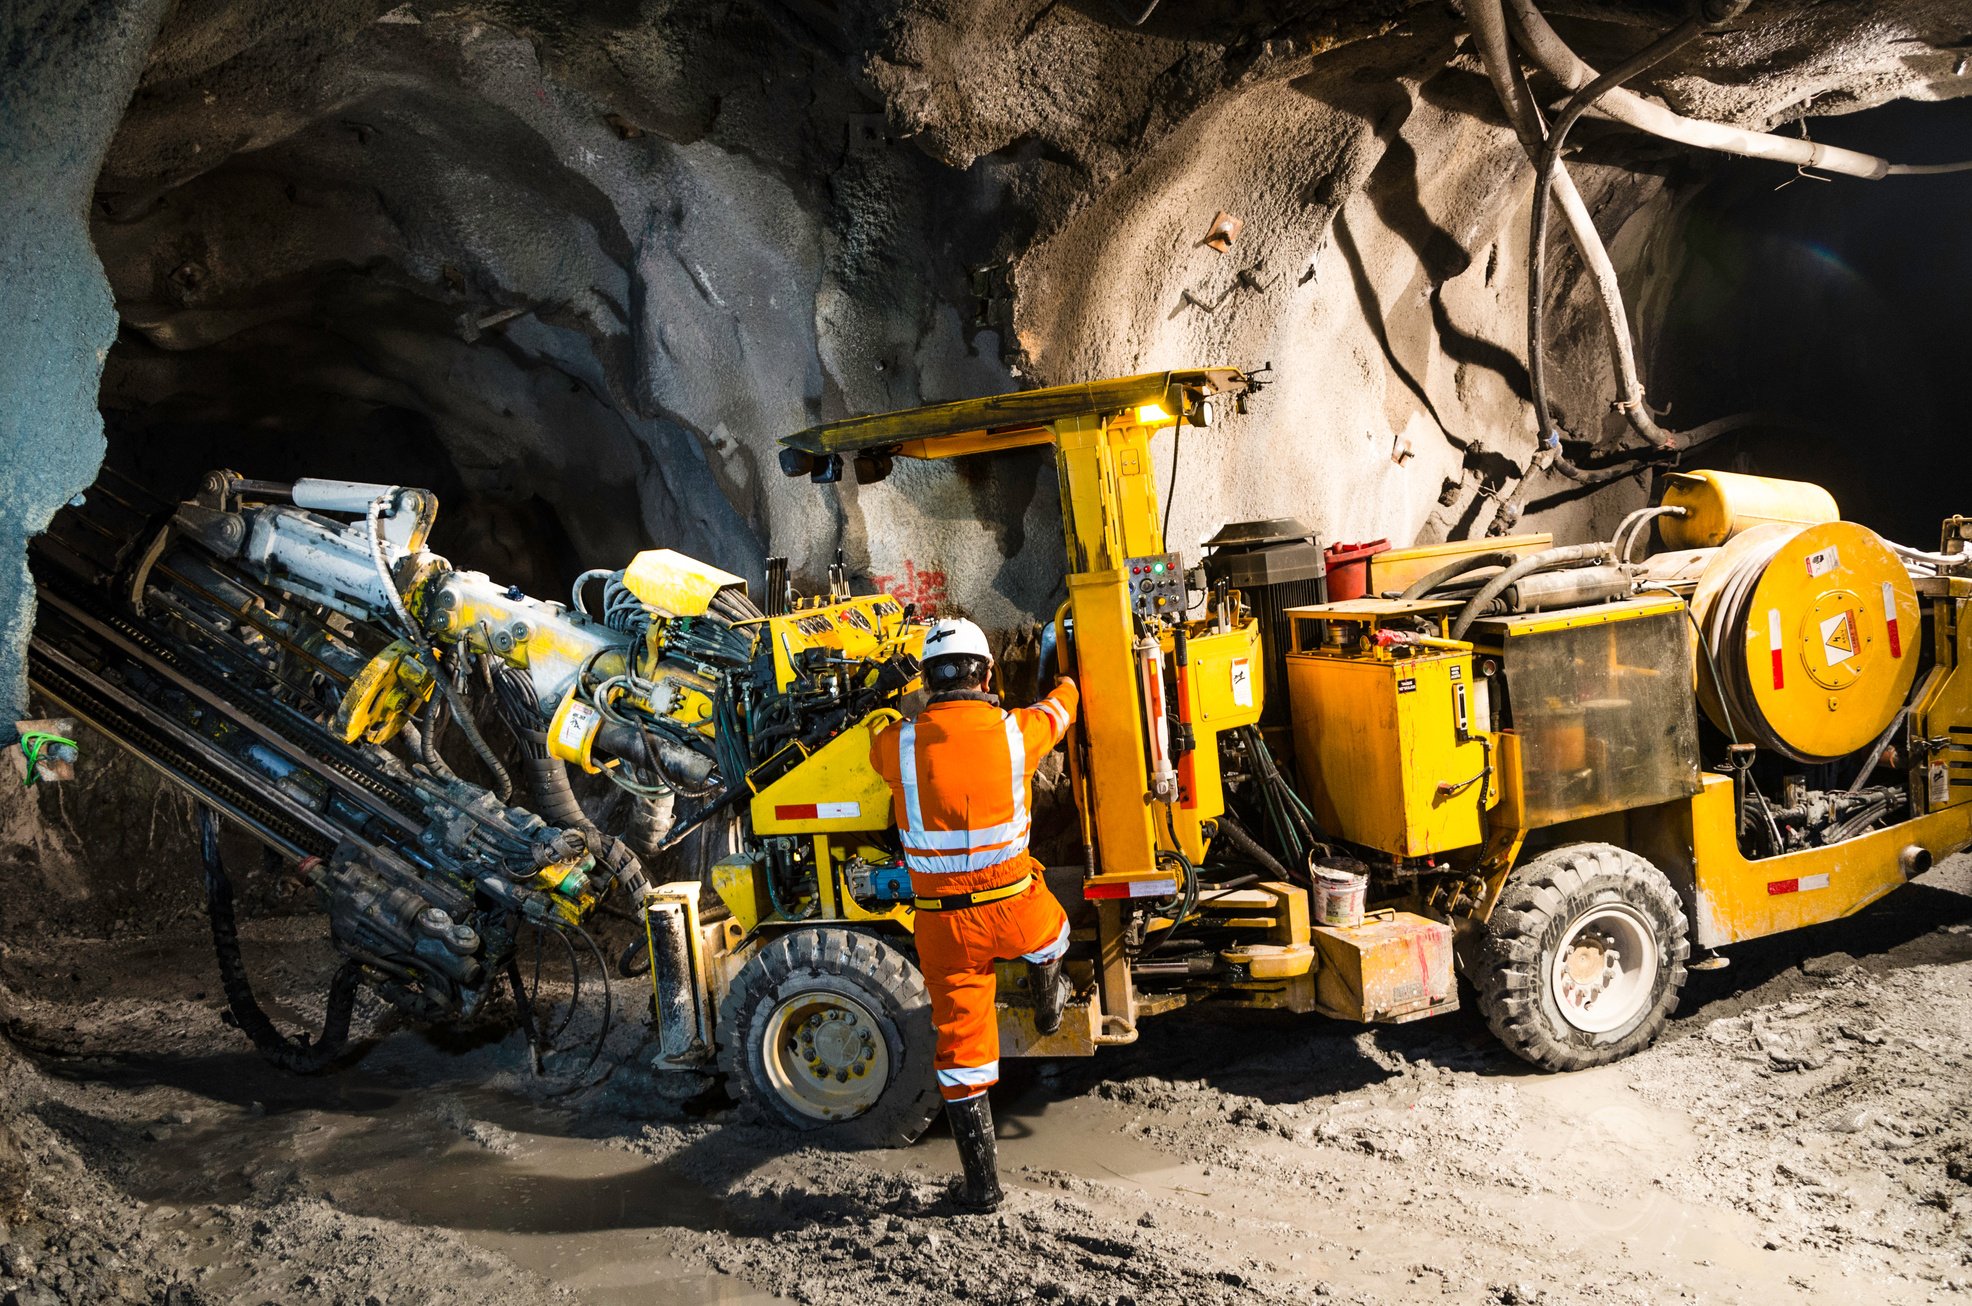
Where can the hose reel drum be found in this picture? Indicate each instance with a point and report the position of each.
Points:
(1812, 633)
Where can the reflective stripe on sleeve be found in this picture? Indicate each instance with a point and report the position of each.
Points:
(1017, 756)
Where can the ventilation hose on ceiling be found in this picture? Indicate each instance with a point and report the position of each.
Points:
(1544, 173)
(1646, 115)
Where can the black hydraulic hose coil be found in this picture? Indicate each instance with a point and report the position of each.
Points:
(298, 1054)
(555, 803)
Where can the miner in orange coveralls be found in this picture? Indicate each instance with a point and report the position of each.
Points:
(960, 778)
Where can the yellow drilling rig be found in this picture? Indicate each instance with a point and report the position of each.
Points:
(1556, 769)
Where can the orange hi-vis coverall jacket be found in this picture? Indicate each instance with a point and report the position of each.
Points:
(960, 778)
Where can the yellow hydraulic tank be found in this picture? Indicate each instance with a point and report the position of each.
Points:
(1720, 505)
(1813, 635)
(1380, 745)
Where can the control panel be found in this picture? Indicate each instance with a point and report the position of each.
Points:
(1157, 586)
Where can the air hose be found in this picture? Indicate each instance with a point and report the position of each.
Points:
(295, 1054)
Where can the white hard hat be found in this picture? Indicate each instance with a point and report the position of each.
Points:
(955, 637)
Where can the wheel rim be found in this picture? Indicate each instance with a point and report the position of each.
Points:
(826, 1056)
(1605, 969)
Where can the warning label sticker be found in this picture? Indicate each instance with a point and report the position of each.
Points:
(1242, 682)
(575, 727)
(1838, 637)
(1823, 561)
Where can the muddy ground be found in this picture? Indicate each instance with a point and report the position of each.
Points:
(1800, 1135)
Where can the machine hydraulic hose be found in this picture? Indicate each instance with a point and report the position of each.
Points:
(298, 1054)
(1452, 570)
(1573, 556)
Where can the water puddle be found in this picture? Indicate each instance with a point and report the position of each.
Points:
(602, 1222)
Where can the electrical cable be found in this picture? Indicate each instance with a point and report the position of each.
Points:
(1503, 70)
(1171, 496)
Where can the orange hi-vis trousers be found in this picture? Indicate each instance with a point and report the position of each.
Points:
(960, 777)
(956, 951)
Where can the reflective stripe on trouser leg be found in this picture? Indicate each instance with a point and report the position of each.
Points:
(1053, 951)
(962, 1082)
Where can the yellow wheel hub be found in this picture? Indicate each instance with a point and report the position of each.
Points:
(825, 1056)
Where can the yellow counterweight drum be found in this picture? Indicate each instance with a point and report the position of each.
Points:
(1812, 632)
(1721, 505)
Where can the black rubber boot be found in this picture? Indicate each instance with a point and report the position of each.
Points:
(1051, 991)
(972, 1129)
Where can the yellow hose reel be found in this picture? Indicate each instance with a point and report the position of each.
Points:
(1812, 633)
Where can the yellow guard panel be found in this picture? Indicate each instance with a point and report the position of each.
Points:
(1740, 899)
(835, 789)
(670, 582)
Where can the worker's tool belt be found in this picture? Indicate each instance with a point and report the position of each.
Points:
(955, 901)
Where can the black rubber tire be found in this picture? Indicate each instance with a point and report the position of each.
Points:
(1515, 956)
(859, 966)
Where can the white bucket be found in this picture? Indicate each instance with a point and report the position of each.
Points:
(1339, 896)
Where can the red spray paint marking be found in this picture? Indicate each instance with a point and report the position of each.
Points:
(926, 588)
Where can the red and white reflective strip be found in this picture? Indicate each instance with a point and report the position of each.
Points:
(1131, 889)
(817, 811)
(1801, 885)
(1890, 619)
(1773, 643)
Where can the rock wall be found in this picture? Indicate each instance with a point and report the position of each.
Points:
(578, 266)
(67, 68)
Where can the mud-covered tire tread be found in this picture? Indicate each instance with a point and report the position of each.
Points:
(840, 960)
(1539, 899)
